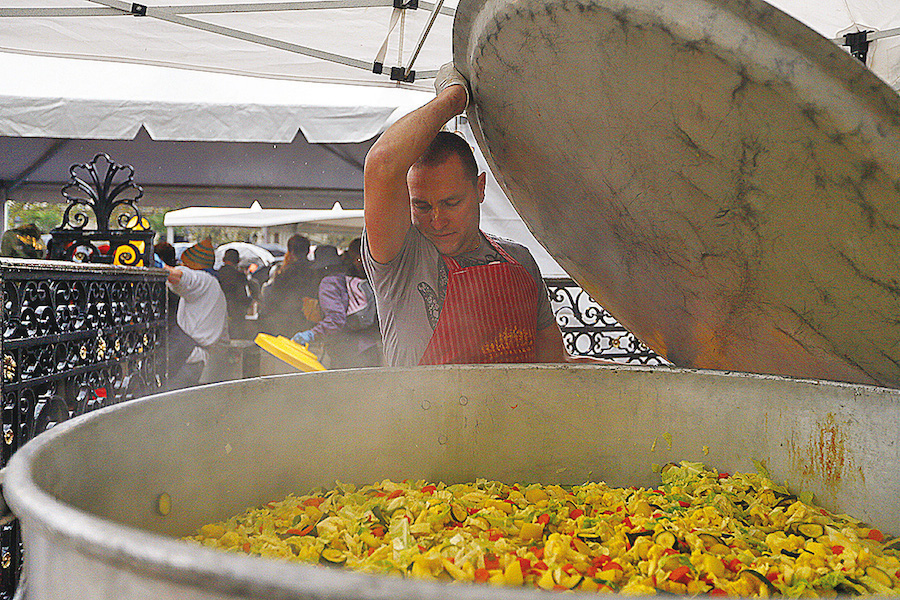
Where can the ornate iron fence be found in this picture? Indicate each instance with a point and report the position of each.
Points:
(75, 337)
(588, 330)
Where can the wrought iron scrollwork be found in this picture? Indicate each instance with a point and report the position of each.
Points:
(102, 223)
(589, 330)
(75, 338)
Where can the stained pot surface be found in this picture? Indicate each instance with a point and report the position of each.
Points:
(87, 491)
(722, 179)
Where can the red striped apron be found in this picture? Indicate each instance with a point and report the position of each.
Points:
(489, 315)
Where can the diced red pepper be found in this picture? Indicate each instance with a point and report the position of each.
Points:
(524, 563)
(494, 534)
(612, 565)
(539, 552)
(429, 489)
(379, 494)
(680, 574)
(540, 566)
(305, 530)
(837, 549)
(421, 547)
(717, 592)
(395, 494)
(733, 565)
(559, 588)
(591, 571)
(370, 551)
(875, 534)
(472, 511)
(599, 561)
(491, 562)
(568, 568)
(246, 547)
(627, 522)
(378, 531)
(683, 503)
(482, 575)
(575, 513)
(313, 502)
(544, 519)
(670, 551)
(723, 475)
(773, 576)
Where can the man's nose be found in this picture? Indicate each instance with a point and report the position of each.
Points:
(438, 219)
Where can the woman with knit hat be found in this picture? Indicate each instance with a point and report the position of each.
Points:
(202, 314)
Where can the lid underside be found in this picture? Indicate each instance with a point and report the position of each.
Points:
(722, 179)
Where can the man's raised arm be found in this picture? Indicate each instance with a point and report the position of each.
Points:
(386, 197)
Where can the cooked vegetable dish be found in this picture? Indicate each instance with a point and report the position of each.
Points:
(700, 532)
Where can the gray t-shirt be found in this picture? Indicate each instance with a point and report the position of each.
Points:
(410, 290)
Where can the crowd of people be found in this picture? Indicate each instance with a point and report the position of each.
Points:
(324, 301)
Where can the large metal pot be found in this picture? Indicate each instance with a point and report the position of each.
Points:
(87, 492)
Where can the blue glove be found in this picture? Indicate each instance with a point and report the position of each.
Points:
(157, 261)
(304, 337)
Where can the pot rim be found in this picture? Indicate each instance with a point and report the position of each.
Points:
(166, 558)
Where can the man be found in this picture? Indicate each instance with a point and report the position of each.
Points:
(202, 314)
(235, 286)
(349, 326)
(289, 298)
(446, 292)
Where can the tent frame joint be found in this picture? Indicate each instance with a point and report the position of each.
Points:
(858, 43)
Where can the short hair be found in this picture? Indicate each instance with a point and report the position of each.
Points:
(166, 253)
(445, 144)
(298, 245)
(231, 256)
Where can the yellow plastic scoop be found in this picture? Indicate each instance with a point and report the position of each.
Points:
(289, 351)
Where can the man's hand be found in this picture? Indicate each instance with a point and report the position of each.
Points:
(447, 76)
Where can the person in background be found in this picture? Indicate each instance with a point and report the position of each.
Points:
(23, 241)
(202, 315)
(288, 299)
(349, 326)
(164, 254)
(237, 294)
(446, 292)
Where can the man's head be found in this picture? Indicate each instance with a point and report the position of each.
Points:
(231, 257)
(353, 258)
(445, 191)
(298, 246)
(199, 256)
(166, 253)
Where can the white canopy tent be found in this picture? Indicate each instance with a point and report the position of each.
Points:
(335, 220)
(328, 40)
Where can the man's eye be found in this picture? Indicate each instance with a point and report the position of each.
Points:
(422, 207)
(452, 203)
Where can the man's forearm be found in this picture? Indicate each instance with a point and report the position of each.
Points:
(403, 143)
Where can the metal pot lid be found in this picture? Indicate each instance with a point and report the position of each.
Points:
(721, 178)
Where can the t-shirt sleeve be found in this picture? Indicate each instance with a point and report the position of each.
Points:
(545, 316)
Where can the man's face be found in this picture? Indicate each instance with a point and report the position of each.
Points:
(445, 205)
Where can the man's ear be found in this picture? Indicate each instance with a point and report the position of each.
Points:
(482, 179)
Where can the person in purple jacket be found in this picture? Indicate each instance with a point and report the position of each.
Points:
(349, 327)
